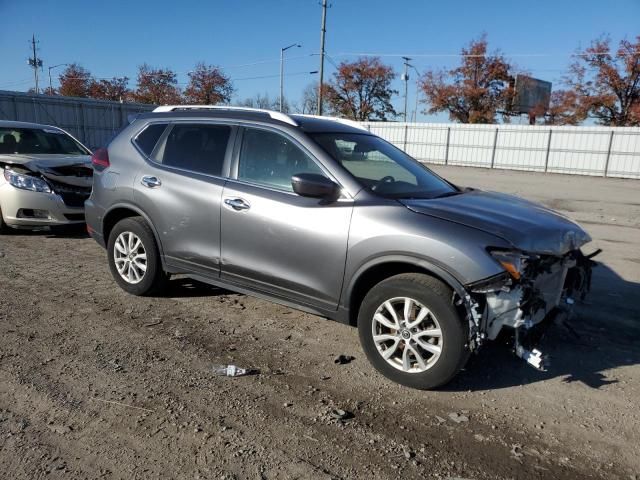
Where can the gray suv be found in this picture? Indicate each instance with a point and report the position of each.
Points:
(320, 215)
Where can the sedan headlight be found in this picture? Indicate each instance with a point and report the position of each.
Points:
(512, 262)
(26, 182)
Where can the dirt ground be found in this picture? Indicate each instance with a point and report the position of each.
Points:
(95, 383)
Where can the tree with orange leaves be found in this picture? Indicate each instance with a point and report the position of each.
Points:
(361, 90)
(75, 81)
(607, 84)
(158, 86)
(208, 85)
(473, 92)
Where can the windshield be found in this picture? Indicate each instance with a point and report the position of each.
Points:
(383, 168)
(38, 141)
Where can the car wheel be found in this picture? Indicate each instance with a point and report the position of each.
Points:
(3, 226)
(134, 258)
(411, 332)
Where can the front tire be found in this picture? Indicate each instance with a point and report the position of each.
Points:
(3, 226)
(134, 258)
(411, 332)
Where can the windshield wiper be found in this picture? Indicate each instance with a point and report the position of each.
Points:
(448, 194)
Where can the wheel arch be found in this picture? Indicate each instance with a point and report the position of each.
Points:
(120, 212)
(377, 270)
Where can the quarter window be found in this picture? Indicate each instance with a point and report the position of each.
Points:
(197, 148)
(147, 139)
(270, 159)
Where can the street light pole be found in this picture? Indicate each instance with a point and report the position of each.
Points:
(51, 68)
(405, 77)
(282, 50)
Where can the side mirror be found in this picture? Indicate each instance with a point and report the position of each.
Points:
(315, 186)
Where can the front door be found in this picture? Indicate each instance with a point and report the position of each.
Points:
(274, 240)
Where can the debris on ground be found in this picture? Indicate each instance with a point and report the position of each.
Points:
(233, 371)
(458, 418)
(340, 414)
(343, 359)
(516, 451)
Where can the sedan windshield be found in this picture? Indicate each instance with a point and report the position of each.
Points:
(38, 141)
(383, 168)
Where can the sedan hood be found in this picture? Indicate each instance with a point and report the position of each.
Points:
(528, 226)
(73, 170)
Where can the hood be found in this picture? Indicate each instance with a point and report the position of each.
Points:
(528, 226)
(69, 169)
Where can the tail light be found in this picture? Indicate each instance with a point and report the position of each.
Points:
(100, 159)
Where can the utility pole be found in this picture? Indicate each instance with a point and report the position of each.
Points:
(323, 30)
(405, 77)
(282, 50)
(35, 62)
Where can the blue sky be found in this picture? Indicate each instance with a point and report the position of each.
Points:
(111, 38)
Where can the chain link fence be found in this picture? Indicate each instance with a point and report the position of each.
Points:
(93, 122)
(602, 151)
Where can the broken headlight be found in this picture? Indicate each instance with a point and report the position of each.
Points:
(26, 182)
(513, 262)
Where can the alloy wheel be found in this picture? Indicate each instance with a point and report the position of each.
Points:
(407, 335)
(130, 257)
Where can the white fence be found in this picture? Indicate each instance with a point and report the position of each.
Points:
(603, 151)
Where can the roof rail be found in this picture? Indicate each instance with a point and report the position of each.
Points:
(283, 117)
(344, 121)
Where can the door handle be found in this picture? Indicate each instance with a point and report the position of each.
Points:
(237, 204)
(150, 181)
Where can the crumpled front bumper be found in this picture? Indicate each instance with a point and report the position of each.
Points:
(24, 208)
(548, 285)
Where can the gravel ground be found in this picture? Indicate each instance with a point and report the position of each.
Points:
(98, 384)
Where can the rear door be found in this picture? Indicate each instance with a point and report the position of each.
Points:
(274, 240)
(180, 188)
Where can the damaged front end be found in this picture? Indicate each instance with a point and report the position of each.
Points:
(45, 192)
(532, 291)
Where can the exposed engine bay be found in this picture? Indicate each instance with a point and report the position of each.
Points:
(544, 287)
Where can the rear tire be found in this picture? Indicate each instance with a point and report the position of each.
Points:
(134, 258)
(420, 339)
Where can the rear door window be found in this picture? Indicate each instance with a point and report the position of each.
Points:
(147, 139)
(196, 147)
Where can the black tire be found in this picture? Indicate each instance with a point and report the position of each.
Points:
(154, 280)
(436, 297)
(3, 226)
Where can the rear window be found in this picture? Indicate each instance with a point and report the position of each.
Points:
(147, 139)
(39, 141)
(196, 147)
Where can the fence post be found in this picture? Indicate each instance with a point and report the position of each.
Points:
(15, 108)
(606, 163)
(546, 159)
(83, 117)
(493, 152)
(446, 149)
(406, 133)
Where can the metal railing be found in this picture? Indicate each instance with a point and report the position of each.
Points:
(601, 151)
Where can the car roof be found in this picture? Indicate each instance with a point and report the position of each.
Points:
(307, 123)
(14, 124)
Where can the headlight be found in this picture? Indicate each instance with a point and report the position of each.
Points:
(512, 262)
(26, 182)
